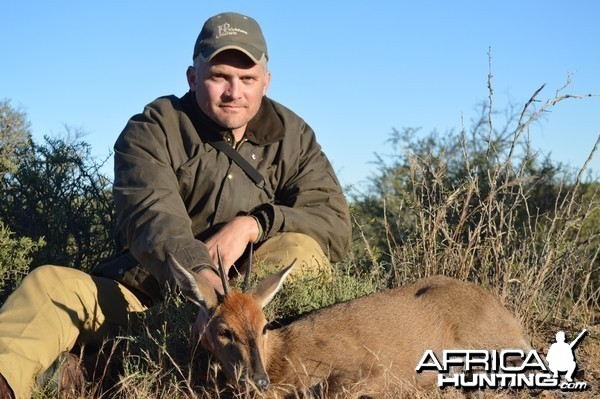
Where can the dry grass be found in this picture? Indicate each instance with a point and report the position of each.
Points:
(161, 358)
(544, 267)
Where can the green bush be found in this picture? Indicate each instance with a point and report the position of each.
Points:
(57, 193)
(14, 136)
(15, 257)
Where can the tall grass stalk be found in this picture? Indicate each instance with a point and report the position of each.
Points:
(479, 227)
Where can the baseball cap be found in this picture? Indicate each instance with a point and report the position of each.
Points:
(227, 31)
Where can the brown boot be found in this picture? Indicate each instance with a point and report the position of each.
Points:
(5, 391)
(66, 376)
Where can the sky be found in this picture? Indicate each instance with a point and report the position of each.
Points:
(354, 71)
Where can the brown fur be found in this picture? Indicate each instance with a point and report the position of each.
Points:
(378, 340)
(368, 345)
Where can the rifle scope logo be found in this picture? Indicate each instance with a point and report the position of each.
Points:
(510, 368)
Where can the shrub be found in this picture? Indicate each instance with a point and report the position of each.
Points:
(15, 257)
(58, 193)
(479, 205)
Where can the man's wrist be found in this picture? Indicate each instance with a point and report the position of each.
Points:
(260, 230)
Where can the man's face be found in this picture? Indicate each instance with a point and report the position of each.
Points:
(229, 89)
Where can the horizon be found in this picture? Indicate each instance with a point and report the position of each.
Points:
(353, 73)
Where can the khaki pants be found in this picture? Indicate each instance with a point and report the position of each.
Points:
(56, 307)
(282, 249)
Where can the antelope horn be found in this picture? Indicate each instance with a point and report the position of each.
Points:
(248, 269)
(222, 273)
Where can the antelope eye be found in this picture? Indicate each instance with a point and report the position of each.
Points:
(226, 333)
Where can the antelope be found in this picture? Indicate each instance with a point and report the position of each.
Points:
(366, 346)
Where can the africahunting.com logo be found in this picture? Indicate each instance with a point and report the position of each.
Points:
(511, 368)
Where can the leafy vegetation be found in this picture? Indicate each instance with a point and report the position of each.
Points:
(55, 192)
(478, 204)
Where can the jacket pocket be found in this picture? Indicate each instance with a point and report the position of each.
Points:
(124, 269)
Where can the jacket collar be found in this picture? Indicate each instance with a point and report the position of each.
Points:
(265, 128)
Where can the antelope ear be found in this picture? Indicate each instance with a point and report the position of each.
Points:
(195, 289)
(268, 287)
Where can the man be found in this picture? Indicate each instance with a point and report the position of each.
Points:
(179, 191)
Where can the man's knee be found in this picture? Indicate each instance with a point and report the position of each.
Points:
(48, 277)
(285, 248)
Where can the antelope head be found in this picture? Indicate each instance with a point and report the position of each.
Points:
(236, 327)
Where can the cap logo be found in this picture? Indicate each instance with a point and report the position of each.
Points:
(227, 30)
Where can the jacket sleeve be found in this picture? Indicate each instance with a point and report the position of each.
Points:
(151, 216)
(310, 201)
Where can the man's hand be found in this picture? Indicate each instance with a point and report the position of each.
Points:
(232, 240)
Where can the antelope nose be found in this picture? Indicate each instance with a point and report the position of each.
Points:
(262, 383)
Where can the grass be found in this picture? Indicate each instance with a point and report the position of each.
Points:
(543, 266)
(161, 358)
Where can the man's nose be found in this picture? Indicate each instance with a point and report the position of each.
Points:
(234, 88)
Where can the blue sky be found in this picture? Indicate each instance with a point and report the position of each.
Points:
(352, 70)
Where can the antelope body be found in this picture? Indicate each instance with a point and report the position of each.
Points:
(367, 346)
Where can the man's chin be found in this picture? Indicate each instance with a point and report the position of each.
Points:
(231, 124)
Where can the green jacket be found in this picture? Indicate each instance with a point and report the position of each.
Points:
(172, 189)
